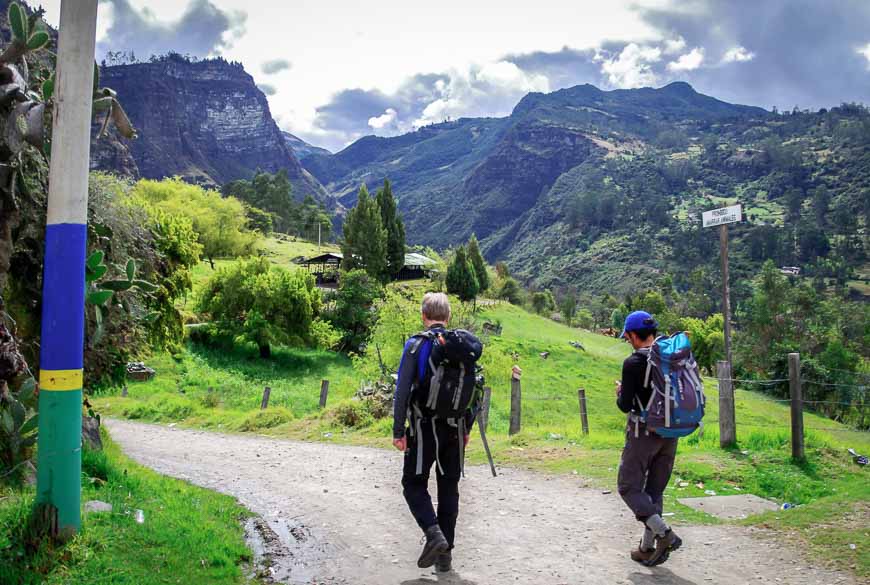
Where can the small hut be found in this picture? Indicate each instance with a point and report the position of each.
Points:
(416, 266)
(325, 267)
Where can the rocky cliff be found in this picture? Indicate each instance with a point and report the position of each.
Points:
(205, 121)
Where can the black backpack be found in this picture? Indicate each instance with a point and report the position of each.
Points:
(446, 390)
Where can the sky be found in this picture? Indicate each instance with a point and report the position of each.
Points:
(337, 70)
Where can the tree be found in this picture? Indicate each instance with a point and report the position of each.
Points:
(585, 319)
(478, 263)
(542, 302)
(365, 238)
(256, 301)
(568, 308)
(392, 222)
(461, 279)
(511, 291)
(220, 222)
(352, 312)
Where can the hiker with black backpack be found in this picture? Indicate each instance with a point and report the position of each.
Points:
(662, 393)
(436, 393)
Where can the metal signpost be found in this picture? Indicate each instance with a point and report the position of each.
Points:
(722, 217)
(63, 294)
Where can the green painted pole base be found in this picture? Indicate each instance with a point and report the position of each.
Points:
(59, 458)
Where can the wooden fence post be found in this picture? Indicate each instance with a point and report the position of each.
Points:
(484, 408)
(124, 391)
(324, 392)
(797, 406)
(584, 420)
(265, 402)
(516, 406)
(727, 421)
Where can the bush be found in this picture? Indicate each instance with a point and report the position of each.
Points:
(265, 419)
(162, 407)
(210, 400)
(352, 414)
(258, 302)
(352, 313)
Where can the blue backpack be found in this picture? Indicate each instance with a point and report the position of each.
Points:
(676, 404)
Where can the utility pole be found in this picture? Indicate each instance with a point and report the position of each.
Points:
(318, 237)
(63, 295)
(726, 290)
(722, 217)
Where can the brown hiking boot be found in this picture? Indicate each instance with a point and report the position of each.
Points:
(665, 545)
(435, 545)
(642, 555)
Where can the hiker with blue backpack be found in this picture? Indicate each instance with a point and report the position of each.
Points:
(436, 393)
(662, 393)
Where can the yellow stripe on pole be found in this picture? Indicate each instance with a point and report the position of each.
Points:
(60, 380)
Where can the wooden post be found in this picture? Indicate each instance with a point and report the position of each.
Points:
(483, 419)
(584, 420)
(124, 391)
(727, 421)
(516, 406)
(726, 290)
(324, 392)
(797, 406)
(266, 392)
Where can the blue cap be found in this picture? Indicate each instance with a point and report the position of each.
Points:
(639, 320)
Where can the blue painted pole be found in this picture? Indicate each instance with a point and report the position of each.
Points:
(59, 458)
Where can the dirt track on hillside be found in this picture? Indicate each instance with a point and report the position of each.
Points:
(339, 512)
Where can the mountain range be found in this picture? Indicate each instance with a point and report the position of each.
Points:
(583, 188)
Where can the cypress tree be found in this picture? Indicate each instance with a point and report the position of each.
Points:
(479, 264)
(365, 238)
(461, 280)
(392, 222)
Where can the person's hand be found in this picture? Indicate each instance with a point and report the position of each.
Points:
(465, 439)
(618, 387)
(401, 444)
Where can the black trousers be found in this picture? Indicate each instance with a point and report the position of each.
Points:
(645, 470)
(430, 445)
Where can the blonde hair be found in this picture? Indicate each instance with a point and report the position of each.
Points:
(436, 307)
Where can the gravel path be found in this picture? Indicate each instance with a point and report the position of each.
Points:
(340, 515)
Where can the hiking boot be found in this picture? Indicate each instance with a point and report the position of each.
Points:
(435, 545)
(642, 555)
(665, 545)
(444, 563)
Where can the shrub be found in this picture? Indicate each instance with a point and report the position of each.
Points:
(265, 419)
(258, 302)
(353, 414)
(352, 312)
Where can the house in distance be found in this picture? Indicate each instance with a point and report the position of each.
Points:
(326, 267)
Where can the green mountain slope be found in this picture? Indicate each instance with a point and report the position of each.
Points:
(598, 189)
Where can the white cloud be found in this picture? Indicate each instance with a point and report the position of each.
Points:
(688, 62)
(865, 50)
(632, 67)
(388, 118)
(673, 46)
(738, 55)
(488, 90)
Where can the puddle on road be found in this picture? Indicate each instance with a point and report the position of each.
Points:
(285, 552)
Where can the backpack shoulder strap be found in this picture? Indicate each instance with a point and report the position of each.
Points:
(418, 340)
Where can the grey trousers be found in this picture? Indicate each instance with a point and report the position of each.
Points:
(644, 472)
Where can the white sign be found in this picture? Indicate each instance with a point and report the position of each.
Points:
(730, 214)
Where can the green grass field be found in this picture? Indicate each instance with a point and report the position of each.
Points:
(828, 485)
(189, 534)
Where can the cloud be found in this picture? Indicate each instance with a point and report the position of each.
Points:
(388, 118)
(776, 52)
(275, 66)
(688, 62)
(737, 55)
(202, 30)
(632, 67)
(267, 88)
(673, 46)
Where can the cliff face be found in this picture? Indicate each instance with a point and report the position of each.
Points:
(206, 122)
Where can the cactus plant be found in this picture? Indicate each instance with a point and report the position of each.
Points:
(100, 292)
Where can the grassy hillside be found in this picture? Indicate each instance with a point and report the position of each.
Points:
(828, 485)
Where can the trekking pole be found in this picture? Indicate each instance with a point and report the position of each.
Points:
(486, 448)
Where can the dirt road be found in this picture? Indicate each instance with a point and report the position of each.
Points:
(340, 514)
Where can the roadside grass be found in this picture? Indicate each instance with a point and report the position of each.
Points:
(551, 439)
(189, 534)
